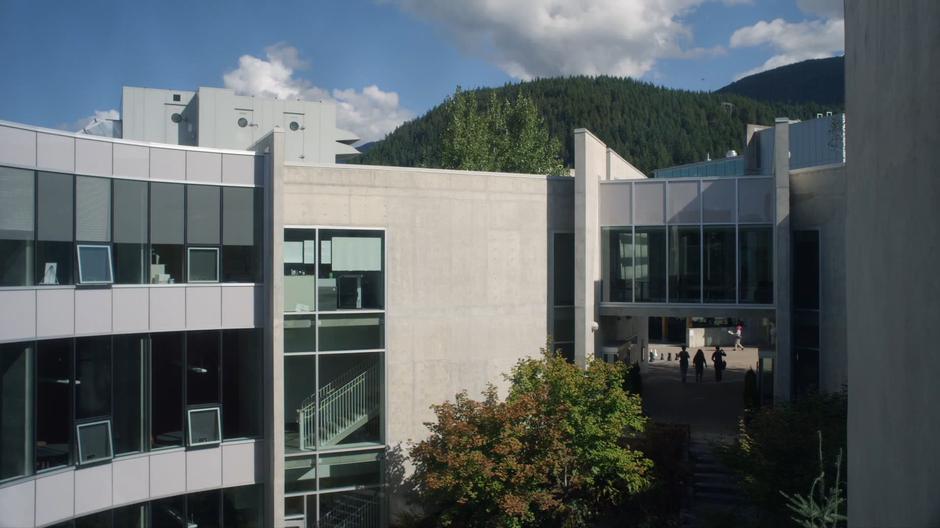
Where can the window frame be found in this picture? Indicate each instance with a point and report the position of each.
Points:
(80, 459)
(217, 408)
(78, 256)
(218, 271)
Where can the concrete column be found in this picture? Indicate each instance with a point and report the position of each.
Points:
(783, 364)
(273, 405)
(590, 166)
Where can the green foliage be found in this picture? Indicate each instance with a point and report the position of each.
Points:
(822, 507)
(775, 448)
(651, 126)
(501, 136)
(556, 452)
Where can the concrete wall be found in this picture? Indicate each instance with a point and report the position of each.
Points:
(893, 250)
(467, 270)
(817, 202)
(591, 166)
(783, 363)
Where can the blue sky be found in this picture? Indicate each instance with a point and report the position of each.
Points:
(384, 61)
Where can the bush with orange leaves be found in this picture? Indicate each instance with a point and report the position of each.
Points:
(556, 452)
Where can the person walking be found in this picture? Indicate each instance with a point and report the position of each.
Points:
(718, 361)
(683, 356)
(738, 335)
(699, 362)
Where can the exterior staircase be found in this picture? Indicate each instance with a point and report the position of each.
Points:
(346, 404)
(352, 511)
(715, 498)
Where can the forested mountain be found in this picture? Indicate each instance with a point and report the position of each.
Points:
(816, 80)
(650, 126)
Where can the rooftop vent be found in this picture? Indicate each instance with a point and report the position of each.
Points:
(731, 154)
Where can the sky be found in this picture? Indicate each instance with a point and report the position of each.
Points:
(383, 62)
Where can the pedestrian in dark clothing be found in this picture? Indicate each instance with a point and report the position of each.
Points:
(683, 356)
(699, 362)
(718, 361)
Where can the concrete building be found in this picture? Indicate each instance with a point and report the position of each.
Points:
(892, 238)
(204, 335)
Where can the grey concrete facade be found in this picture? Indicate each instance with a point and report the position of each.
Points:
(892, 233)
(782, 357)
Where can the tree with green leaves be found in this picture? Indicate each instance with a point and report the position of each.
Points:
(557, 451)
(499, 134)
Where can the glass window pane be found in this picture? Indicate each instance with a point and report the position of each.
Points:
(563, 324)
(650, 264)
(684, 202)
(166, 389)
(241, 382)
(94, 264)
(17, 189)
(94, 441)
(54, 212)
(300, 250)
(14, 403)
(718, 201)
(203, 265)
(130, 212)
(204, 426)
(350, 469)
(312, 521)
(616, 204)
(719, 264)
(242, 507)
(300, 333)
(54, 262)
(619, 265)
(166, 263)
(53, 403)
(350, 394)
(130, 516)
(16, 262)
(351, 270)
(241, 264)
(96, 520)
(202, 367)
(294, 506)
(360, 508)
(166, 213)
(204, 509)
(756, 262)
(241, 230)
(563, 261)
(352, 332)
(169, 512)
(127, 414)
(806, 270)
(92, 209)
(92, 377)
(685, 264)
(756, 200)
(203, 216)
(130, 264)
(300, 387)
(300, 474)
(650, 203)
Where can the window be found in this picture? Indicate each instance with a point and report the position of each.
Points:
(204, 426)
(300, 474)
(649, 264)
(17, 219)
(94, 441)
(166, 233)
(131, 257)
(14, 409)
(53, 403)
(92, 377)
(203, 350)
(351, 332)
(350, 469)
(685, 246)
(92, 209)
(94, 264)
(351, 270)
(166, 390)
(241, 241)
(350, 393)
(300, 333)
(203, 510)
(169, 513)
(300, 281)
(358, 508)
(203, 265)
(719, 264)
(241, 383)
(300, 392)
(127, 412)
(563, 259)
(806, 270)
(619, 264)
(755, 259)
(54, 228)
(242, 506)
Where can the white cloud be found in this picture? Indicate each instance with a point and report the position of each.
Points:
(370, 113)
(796, 41)
(540, 38)
(103, 119)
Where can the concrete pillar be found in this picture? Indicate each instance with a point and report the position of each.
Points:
(783, 364)
(273, 368)
(590, 166)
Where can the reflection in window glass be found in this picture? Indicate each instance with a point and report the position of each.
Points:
(53, 403)
(756, 264)
(94, 264)
(350, 394)
(719, 264)
(684, 264)
(351, 270)
(241, 382)
(361, 508)
(127, 413)
(130, 264)
(300, 282)
(17, 224)
(94, 441)
(203, 425)
(351, 332)
(166, 390)
(350, 469)
(300, 387)
(620, 264)
(300, 474)
(300, 333)
(14, 403)
(203, 265)
(92, 377)
(650, 264)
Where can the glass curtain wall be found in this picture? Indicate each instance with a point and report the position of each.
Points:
(334, 380)
(649, 260)
(755, 260)
(719, 264)
(685, 264)
(17, 226)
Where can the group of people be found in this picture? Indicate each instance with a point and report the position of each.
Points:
(718, 361)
